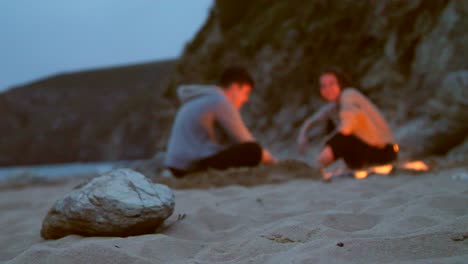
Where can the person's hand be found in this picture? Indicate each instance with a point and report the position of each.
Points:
(267, 158)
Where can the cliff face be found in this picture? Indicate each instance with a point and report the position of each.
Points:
(409, 57)
(107, 114)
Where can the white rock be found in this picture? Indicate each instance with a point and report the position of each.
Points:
(122, 202)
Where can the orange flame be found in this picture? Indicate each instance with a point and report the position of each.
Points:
(383, 169)
(360, 174)
(415, 166)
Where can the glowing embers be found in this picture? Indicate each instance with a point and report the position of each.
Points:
(382, 170)
(415, 166)
(361, 174)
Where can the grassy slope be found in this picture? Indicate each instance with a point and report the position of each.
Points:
(93, 115)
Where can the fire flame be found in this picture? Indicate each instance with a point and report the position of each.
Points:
(415, 166)
(384, 169)
(360, 174)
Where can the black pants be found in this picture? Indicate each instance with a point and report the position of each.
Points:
(240, 155)
(358, 154)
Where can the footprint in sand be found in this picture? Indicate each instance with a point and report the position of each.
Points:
(452, 205)
(394, 201)
(279, 238)
(293, 233)
(351, 222)
(415, 222)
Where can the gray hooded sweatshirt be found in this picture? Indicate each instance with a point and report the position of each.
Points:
(206, 124)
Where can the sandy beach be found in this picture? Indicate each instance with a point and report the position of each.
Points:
(383, 219)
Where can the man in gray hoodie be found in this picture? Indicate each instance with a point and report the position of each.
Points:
(209, 132)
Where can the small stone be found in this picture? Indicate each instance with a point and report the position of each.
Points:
(181, 217)
(340, 244)
(260, 201)
(460, 237)
(122, 203)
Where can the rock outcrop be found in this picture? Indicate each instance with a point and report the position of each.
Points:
(120, 203)
(403, 55)
(442, 124)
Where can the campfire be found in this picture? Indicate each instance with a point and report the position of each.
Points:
(415, 166)
(383, 170)
(380, 170)
(361, 174)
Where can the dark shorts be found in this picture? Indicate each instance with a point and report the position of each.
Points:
(240, 155)
(358, 154)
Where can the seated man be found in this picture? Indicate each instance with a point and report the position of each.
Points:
(209, 132)
(361, 136)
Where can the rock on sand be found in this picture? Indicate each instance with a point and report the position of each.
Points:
(120, 203)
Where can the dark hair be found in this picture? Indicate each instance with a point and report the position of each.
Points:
(343, 80)
(238, 75)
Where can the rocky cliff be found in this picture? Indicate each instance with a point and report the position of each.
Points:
(409, 57)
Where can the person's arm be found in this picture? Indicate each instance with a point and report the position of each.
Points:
(350, 111)
(321, 115)
(231, 121)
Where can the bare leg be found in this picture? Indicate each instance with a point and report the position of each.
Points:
(326, 156)
(324, 159)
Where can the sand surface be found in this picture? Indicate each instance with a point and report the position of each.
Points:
(402, 219)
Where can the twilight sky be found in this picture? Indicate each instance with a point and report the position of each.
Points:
(46, 37)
